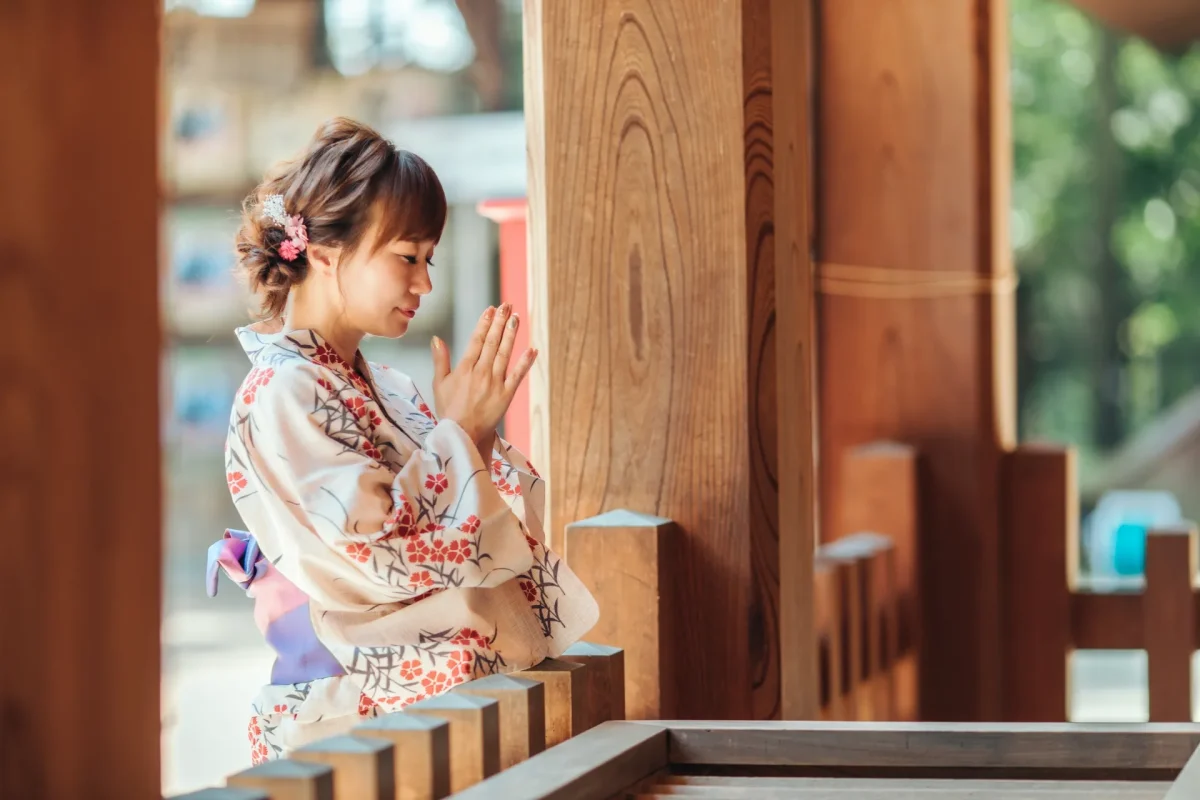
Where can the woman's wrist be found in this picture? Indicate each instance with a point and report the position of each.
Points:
(486, 444)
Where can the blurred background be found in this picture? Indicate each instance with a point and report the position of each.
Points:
(1105, 228)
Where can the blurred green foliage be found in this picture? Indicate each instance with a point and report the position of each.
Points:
(1105, 226)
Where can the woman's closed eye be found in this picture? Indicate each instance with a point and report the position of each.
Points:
(413, 260)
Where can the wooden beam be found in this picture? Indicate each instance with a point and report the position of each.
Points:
(596, 765)
(1168, 24)
(916, 322)
(654, 221)
(80, 485)
(1094, 749)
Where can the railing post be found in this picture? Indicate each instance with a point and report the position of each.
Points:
(881, 495)
(605, 696)
(827, 613)
(847, 582)
(566, 687)
(522, 714)
(287, 780)
(363, 768)
(1169, 621)
(422, 760)
(474, 735)
(227, 793)
(1038, 574)
(625, 560)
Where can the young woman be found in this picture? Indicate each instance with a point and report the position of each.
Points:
(395, 548)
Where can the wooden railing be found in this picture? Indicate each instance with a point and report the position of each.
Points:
(864, 586)
(1050, 611)
(449, 743)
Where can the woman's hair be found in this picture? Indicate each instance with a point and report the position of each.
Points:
(347, 176)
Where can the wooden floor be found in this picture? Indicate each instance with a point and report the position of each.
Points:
(754, 788)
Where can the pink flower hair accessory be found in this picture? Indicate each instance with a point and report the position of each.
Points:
(293, 227)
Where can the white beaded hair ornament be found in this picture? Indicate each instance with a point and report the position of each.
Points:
(297, 233)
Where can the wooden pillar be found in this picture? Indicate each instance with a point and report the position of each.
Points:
(916, 318)
(79, 413)
(1169, 621)
(663, 238)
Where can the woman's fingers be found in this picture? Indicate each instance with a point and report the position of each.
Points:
(475, 346)
(504, 354)
(491, 343)
(518, 373)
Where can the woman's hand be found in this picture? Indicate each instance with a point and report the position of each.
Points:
(477, 392)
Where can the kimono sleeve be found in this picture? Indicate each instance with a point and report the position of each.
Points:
(437, 523)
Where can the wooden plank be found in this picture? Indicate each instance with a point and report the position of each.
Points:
(880, 478)
(422, 758)
(1169, 24)
(364, 768)
(566, 685)
(593, 766)
(912, 331)
(660, 314)
(474, 735)
(80, 470)
(728, 788)
(1168, 619)
(1041, 547)
(522, 714)
(625, 560)
(787, 37)
(1079, 748)
(606, 679)
(1187, 785)
(287, 780)
(1107, 621)
(828, 615)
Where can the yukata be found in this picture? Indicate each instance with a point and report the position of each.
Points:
(388, 561)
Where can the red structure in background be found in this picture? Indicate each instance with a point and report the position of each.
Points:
(514, 288)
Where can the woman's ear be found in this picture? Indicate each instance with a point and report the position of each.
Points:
(323, 259)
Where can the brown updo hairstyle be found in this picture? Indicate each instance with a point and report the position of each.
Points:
(347, 175)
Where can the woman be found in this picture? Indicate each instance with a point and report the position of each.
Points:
(395, 550)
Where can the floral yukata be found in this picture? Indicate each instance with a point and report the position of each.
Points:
(387, 560)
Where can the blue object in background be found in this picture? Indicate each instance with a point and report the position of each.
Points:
(1114, 536)
(1129, 549)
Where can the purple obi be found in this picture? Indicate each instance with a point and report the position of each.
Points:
(280, 609)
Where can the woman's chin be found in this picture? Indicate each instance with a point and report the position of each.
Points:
(392, 328)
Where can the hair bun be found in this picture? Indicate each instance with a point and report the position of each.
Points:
(261, 263)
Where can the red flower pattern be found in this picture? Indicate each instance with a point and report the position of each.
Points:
(359, 552)
(458, 551)
(470, 525)
(424, 409)
(236, 481)
(530, 589)
(411, 670)
(420, 578)
(435, 683)
(437, 483)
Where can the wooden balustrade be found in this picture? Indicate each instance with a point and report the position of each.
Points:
(448, 743)
(1050, 611)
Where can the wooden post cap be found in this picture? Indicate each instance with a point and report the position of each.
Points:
(422, 753)
(474, 734)
(287, 780)
(605, 678)
(566, 686)
(522, 714)
(364, 768)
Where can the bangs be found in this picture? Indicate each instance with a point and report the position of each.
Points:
(411, 202)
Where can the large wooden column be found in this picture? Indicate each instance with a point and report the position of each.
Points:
(916, 320)
(80, 513)
(671, 299)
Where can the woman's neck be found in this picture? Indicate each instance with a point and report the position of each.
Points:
(310, 314)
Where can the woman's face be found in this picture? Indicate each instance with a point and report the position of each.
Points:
(382, 285)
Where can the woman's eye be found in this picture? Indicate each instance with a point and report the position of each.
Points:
(413, 260)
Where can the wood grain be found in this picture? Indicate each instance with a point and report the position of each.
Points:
(593, 766)
(522, 714)
(287, 780)
(626, 561)
(474, 735)
(1168, 619)
(653, 142)
(364, 768)
(605, 675)
(908, 182)
(1040, 564)
(565, 685)
(1080, 748)
(80, 458)
(422, 758)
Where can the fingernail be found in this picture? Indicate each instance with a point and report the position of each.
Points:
(490, 311)
(504, 309)
(512, 322)
(437, 343)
